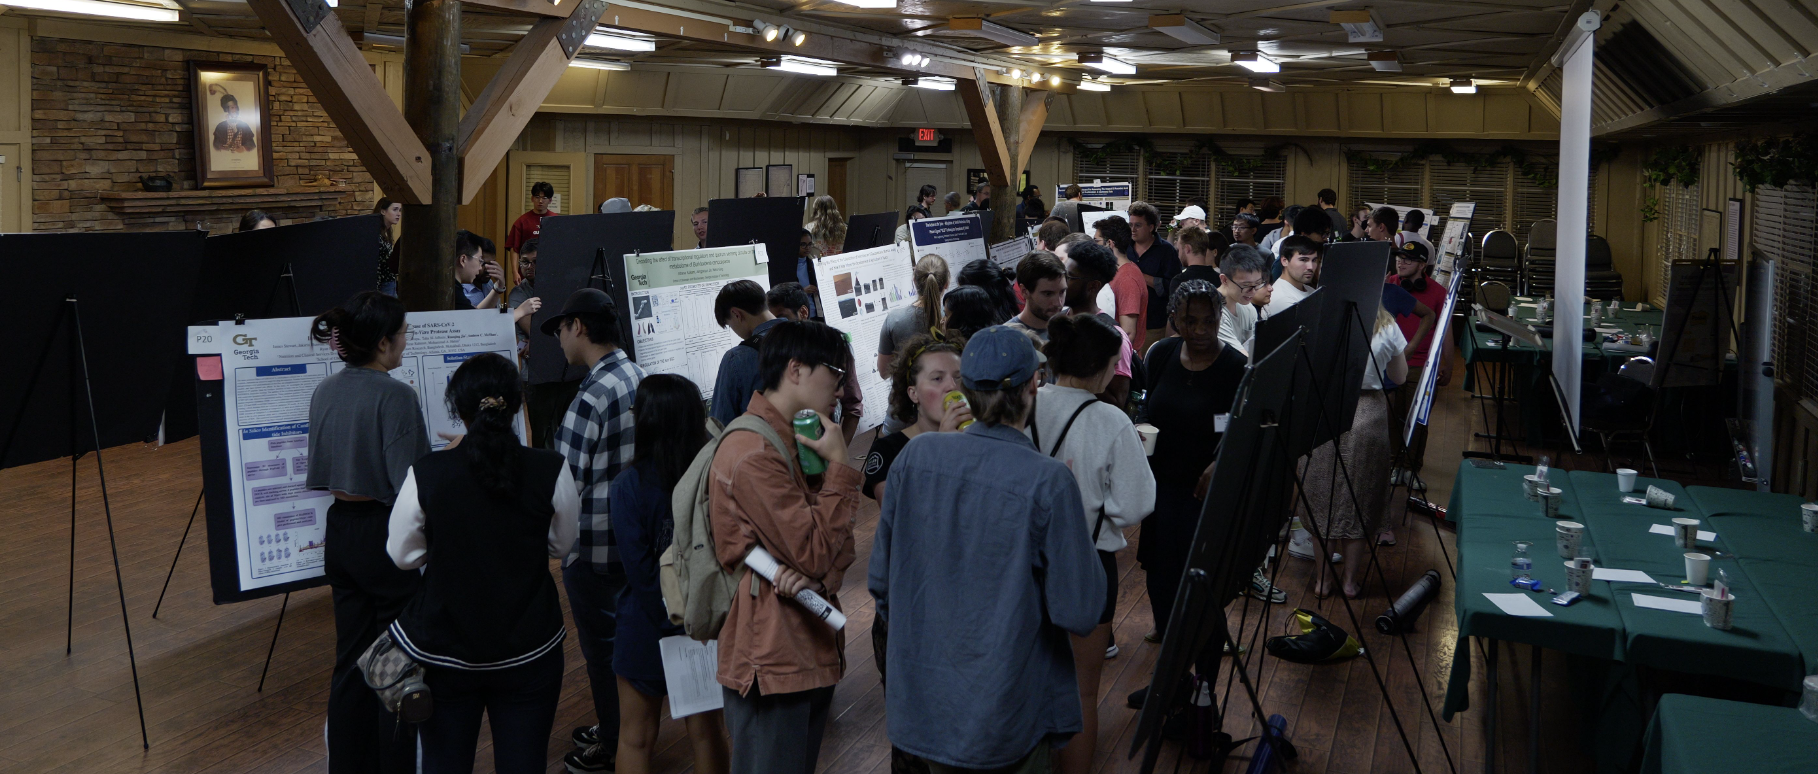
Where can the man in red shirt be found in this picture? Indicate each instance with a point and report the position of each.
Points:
(1129, 286)
(530, 225)
(1410, 273)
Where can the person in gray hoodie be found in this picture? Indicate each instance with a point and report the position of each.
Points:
(1099, 444)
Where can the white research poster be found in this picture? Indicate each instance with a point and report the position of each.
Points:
(671, 295)
(960, 239)
(269, 370)
(858, 290)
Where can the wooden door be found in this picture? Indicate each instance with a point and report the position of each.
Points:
(640, 179)
(836, 183)
(13, 208)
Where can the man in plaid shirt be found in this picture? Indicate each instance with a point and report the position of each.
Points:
(596, 439)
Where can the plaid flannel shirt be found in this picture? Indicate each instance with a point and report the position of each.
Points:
(597, 440)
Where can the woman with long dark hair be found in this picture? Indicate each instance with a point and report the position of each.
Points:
(391, 213)
(984, 273)
(486, 515)
(670, 428)
(365, 431)
(970, 309)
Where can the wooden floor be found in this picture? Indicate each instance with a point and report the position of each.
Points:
(199, 664)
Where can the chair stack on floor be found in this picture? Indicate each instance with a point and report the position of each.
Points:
(1541, 258)
(1601, 279)
(1501, 260)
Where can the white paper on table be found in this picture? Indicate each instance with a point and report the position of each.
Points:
(1693, 606)
(689, 668)
(1620, 576)
(1519, 604)
(1662, 529)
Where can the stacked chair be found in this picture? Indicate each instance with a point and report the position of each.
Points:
(1542, 257)
(1601, 279)
(1622, 404)
(1501, 259)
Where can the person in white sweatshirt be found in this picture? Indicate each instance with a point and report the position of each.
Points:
(1099, 444)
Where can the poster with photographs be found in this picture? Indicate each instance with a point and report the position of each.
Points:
(866, 286)
(231, 113)
(673, 329)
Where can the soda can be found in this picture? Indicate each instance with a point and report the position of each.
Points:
(808, 424)
(953, 397)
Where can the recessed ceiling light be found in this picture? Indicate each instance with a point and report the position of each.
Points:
(1185, 30)
(1255, 62)
(1385, 61)
(94, 8)
(1099, 61)
(1464, 86)
(1267, 84)
(1361, 25)
(990, 30)
(1091, 85)
(598, 64)
(620, 42)
(800, 65)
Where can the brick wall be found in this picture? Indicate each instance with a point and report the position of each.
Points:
(105, 114)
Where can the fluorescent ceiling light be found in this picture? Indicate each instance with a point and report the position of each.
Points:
(1111, 1)
(1255, 62)
(870, 3)
(95, 8)
(991, 31)
(1464, 86)
(1385, 61)
(397, 41)
(1361, 25)
(936, 84)
(1185, 30)
(1088, 85)
(620, 42)
(1267, 84)
(1098, 61)
(598, 64)
(801, 65)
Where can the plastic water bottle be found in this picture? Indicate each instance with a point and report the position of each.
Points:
(1540, 471)
(1521, 566)
(1596, 312)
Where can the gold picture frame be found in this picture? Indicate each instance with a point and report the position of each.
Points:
(231, 114)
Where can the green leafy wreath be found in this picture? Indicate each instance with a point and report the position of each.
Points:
(1541, 172)
(1672, 165)
(1777, 162)
(1176, 164)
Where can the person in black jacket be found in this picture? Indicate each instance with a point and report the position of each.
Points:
(485, 515)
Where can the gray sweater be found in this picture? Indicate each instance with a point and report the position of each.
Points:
(1106, 458)
(365, 431)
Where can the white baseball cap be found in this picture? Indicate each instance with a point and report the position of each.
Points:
(1191, 211)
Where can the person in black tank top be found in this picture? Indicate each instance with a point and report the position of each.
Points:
(485, 515)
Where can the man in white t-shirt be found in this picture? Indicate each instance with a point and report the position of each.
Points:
(1244, 269)
(1299, 273)
(1410, 231)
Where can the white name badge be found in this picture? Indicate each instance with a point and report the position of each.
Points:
(1219, 422)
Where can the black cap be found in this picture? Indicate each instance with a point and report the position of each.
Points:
(1413, 251)
(583, 301)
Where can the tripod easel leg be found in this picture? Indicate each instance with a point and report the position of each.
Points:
(69, 632)
(274, 642)
(179, 555)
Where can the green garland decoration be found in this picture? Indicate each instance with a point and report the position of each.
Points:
(1650, 209)
(1175, 164)
(1541, 172)
(1672, 165)
(1777, 162)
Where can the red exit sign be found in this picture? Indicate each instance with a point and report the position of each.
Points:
(927, 136)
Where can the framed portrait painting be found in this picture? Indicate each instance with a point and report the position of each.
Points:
(231, 112)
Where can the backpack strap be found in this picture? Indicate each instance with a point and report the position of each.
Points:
(756, 424)
(1098, 526)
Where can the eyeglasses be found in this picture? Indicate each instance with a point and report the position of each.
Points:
(1250, 287)
(527, 261)
(837, 371)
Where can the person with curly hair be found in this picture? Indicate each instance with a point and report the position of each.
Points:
(827, 226)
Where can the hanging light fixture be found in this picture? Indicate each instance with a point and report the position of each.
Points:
(769, 32)
(1185, 30)
(598, 64)
(1098, 61)
(800, 65)
(95, 8)
(1361, 25)
(620, 41)
(1255, 62)
(990, 30)
(1267, 84)
(1464, 86)
(1087, 84)
(1385, 61)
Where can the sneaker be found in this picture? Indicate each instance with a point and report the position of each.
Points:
(1418, 485)
(1398, 477)
(586, 736)
(1154, 636)
(1301, 544)
(1337, 558)
(1111, 652)
(1135, 700)
(1262, 589)
(595, 758)
(1241, 649)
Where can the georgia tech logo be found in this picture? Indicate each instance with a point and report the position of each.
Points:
(243, 340)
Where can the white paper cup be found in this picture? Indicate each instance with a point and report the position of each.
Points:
(1571, 536)
(1530, 486)
(1685, 533)
(1808, 516)
(1660, 498)
(1717, 611)
(1698, 569)
(1550, 500)
(1578, 575)
(1625, 480)
(1148, 433)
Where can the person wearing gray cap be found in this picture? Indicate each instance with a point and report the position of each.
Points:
(981, 668)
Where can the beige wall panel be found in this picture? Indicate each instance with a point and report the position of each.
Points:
(1242, 111)
(631, 134)
(749, 92)
(1405, 113)
(848, 101)
(1162, 107)
(1124, 108)
(578, 88)
(1200, 110)
(1319, 111)
(635, 89)
(1089, 109)
(1458, 113)
(1060, 112)
(699, 91)
(1506, 113)
(909, 110)
(1362, 113)
(1279, 113)
(944, 108)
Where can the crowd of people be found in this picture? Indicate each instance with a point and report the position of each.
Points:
(1017, 394)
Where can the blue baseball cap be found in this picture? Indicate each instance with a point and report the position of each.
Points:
(997, 358)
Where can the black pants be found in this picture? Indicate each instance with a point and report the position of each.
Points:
(779, 733)
(369, 591)
(520, 703)
(547, 403)
(593, 599)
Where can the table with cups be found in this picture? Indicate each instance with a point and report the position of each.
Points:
(1695, 735)
(1761, 628)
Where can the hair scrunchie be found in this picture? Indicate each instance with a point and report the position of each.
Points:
(334, 342)
(492, 403)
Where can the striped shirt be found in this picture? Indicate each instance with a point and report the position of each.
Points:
(597, 440)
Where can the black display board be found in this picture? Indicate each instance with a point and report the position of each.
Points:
(327, 262)
(131, 292)
(569, 250)
(774, 222)
(1351, 277)
(1277, 330)
(864, 232)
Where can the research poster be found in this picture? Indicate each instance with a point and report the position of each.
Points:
(1429, 377)
(671, 295)
(269, 370)
(1402, 212)
(1088, 220)
(959, 239)
(1111, 196)
(1010, 252)
(858, 290)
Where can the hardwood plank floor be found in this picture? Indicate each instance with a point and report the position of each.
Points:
(199, 664)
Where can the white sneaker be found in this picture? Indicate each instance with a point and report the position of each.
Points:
(1337, 557)
(1111, 652)
(1301, 544)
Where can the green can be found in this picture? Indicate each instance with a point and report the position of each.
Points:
(808, 424)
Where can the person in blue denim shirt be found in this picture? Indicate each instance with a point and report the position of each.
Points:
(982, 565)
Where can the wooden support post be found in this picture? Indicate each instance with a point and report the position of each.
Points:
(432, 105)
(987, 128)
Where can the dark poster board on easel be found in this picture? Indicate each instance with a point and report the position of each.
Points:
(864, 232)
(244, 274)
(131, 292)
(568, 250)
(775, 223)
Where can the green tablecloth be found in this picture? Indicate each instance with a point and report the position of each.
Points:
(1482, 347)
(1692, 735)
(1716, 502)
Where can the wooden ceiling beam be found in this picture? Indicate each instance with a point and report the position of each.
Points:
(353, 97)
(981, 113)
(542, 8)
